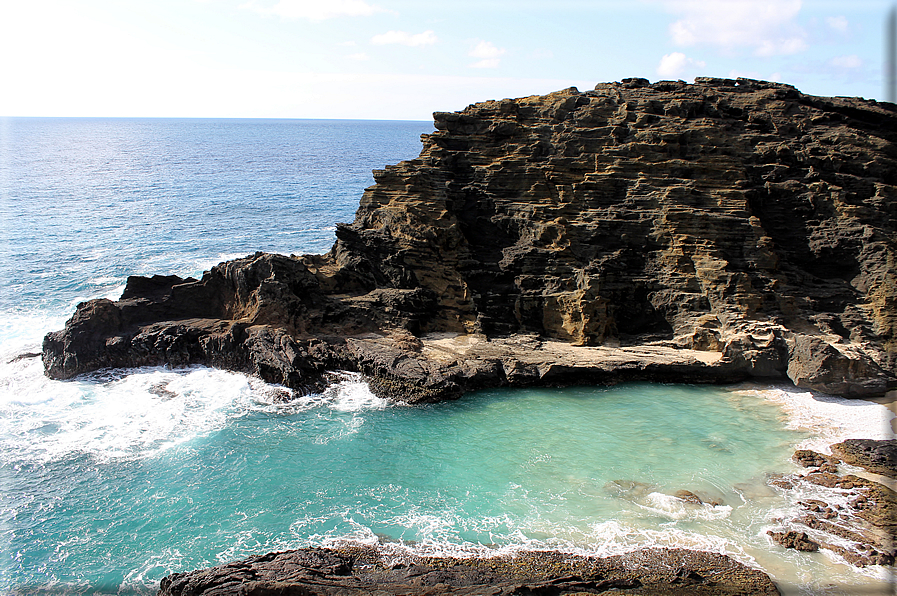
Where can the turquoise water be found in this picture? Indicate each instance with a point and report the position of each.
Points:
(115, 502)
(113, 480)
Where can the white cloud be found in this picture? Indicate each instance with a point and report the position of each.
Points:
(847, 62)
(777, 47)
(315, 10)
(673, 65)
(489, 55)
(485, 49)
(838, 23)
(766, 26)
(360, 56)
(747, 74)
(406, 39)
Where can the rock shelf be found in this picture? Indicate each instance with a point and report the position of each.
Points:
(356, 570)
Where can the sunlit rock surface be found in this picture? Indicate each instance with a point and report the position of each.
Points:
(714, 231)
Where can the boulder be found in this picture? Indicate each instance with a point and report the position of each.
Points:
(795, 540)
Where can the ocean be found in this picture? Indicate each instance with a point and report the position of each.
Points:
(115, 479)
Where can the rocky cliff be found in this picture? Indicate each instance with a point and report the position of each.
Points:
(713, 231)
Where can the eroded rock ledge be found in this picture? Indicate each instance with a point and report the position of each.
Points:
(365, 570)
(711, 232)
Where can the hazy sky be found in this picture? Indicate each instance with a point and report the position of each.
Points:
(404, 59)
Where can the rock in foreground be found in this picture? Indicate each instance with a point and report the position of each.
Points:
(851, 516)
(715, 231)
(878, 457)
(364, 570)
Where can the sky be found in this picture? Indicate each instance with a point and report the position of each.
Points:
(405, 59)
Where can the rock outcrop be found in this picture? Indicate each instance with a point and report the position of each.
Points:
(878, 457)
(854, 516)
(361, 570)
(714, 231)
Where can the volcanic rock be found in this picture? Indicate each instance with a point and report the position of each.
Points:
(878, 457)
(863, 531)
(706, 232)
(812, 459)
(363, 570)
(795, 540)
(694, 499)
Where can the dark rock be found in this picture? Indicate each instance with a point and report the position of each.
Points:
(865, 529)
(25, 356)
(695, 499)
(710, 232)
(879, 457)
(862, 558)
(780, 481)
(155, 287)
(357, 570)
(688, 496)
(817, 364)
(865, 548)
(819, 507)
(812, 459)
(795, 540)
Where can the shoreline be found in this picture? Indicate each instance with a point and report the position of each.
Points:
(659, 220)
(888, 400)
(747, 387)
(874, 576)
(830, 418)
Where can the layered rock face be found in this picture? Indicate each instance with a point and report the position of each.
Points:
(711, 231)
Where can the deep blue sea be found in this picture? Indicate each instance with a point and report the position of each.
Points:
(113, 480)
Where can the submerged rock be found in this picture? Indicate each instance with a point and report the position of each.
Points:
(701, 232)
(357, 570)
(694, 499)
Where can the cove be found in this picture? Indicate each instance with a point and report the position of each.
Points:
(200, 467)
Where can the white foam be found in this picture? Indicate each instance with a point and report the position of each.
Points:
(829, 418)
(115, 292)
(142, 412)
(675, 508)
(602, 539)
(351, 394)
(133, 413)
(442, 533)
(24, 332)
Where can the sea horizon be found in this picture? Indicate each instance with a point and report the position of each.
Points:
(210, 118)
